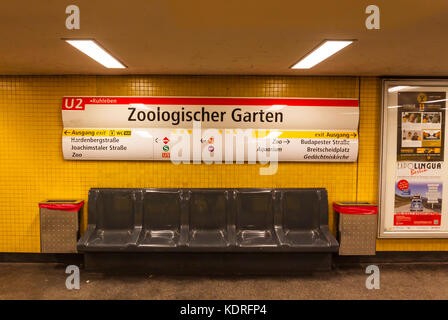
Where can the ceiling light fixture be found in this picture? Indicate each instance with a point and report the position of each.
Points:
(322, 52)
(96, 52)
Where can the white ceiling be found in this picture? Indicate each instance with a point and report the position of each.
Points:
(226, 36)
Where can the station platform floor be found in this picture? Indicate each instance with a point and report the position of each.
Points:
(397, 281)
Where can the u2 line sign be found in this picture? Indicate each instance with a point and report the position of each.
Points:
(215, 129)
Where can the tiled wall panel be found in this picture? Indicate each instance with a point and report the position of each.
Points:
(32, 168)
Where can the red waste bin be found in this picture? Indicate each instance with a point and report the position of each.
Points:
(59, 225)
(358, 224)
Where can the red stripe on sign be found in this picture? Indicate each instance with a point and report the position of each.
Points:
(73, 102)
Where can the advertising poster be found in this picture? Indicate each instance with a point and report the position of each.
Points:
(421, 123)
(414, 187)
(418, 195)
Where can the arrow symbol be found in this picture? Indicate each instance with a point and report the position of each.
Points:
(65, 132)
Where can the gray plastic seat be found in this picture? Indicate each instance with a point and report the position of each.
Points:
(301, 213)
(113, 220)
(161, 218)
(208, 211)
(255, 218)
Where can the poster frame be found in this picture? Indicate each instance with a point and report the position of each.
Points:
(383, 157)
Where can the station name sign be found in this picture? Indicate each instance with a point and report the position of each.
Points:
(147, 128)
(182, 116)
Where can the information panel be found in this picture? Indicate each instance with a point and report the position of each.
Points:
(226, 129)
(413, 168)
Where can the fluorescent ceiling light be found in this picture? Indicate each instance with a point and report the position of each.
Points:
(325, 50)
(94, 51)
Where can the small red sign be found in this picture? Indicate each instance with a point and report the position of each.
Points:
(166, 140)
(403, 185)
(413, 219)
(73, 104)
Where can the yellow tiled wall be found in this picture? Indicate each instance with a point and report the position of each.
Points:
(32, 168)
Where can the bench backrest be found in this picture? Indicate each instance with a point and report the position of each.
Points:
(208, 209)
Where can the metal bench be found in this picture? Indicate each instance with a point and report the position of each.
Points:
(212, 221)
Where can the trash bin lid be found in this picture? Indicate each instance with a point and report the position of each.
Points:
(65, 205)
(355, 207)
